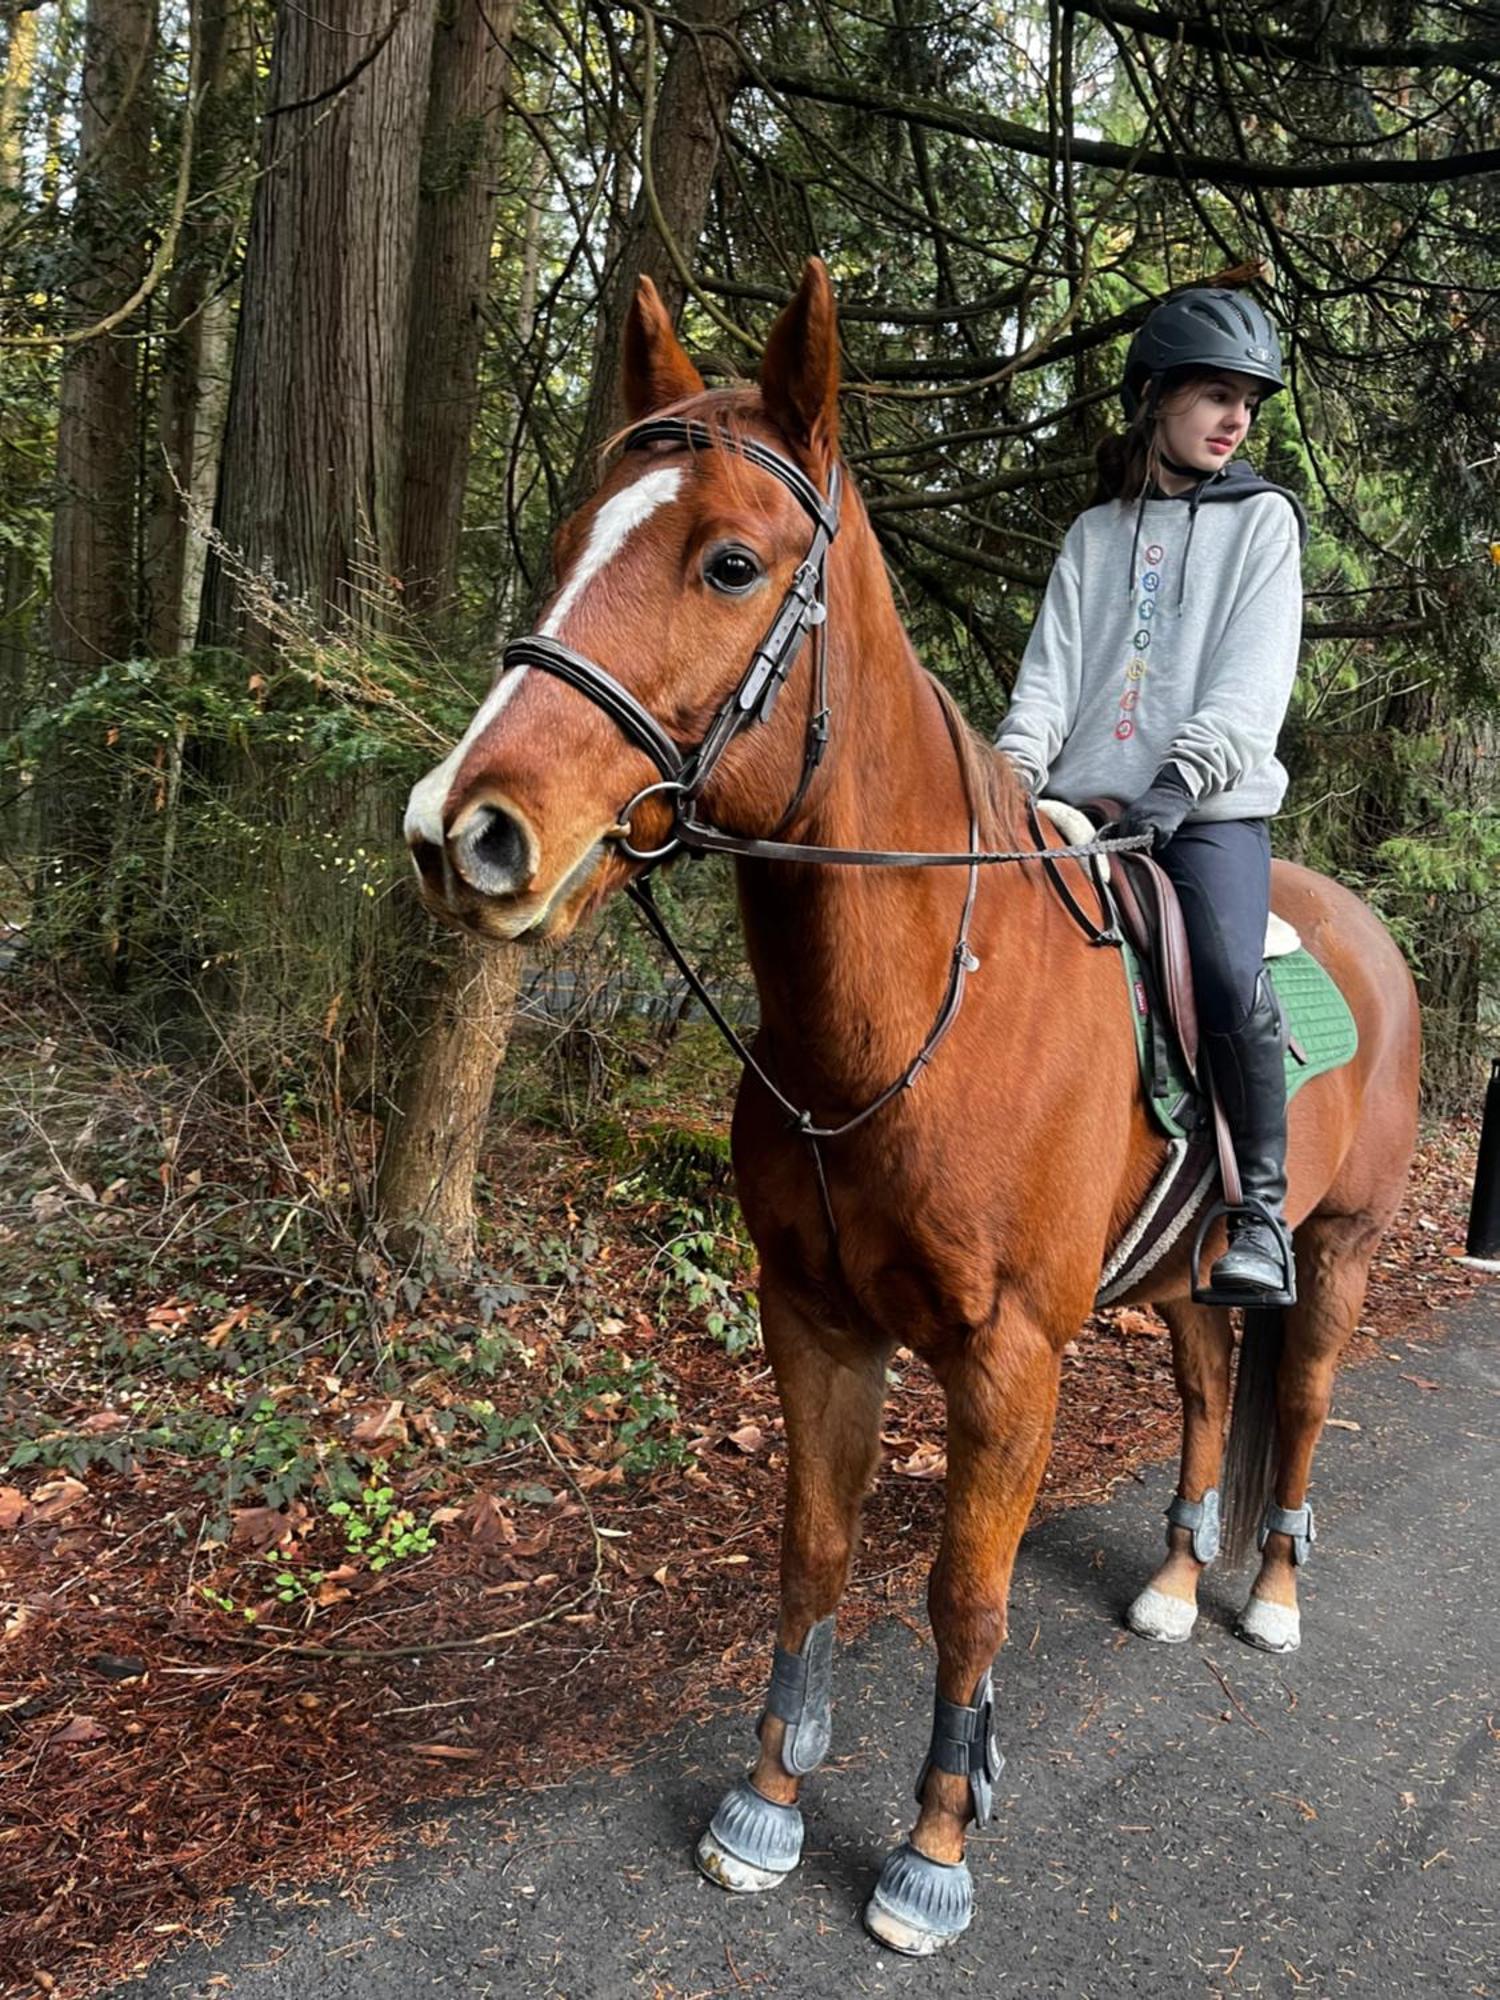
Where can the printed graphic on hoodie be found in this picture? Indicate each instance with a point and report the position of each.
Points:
(1150, 580)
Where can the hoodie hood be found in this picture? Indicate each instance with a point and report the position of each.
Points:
(1236, 481)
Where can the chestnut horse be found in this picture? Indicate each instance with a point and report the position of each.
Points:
(969, 1217)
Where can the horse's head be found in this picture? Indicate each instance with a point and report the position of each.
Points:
(667, 579)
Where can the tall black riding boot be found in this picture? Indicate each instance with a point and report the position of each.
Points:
(1249, 1072)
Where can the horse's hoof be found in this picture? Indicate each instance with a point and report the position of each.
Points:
(751, 1842)
(917, 1906)
(1154, 1615)
(1274, 1628)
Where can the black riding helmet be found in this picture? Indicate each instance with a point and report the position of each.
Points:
(1207, 326)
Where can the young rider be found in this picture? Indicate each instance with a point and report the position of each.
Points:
(1159, 672)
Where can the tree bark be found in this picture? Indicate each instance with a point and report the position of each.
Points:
(309, 489)
(435, 1131)
(456, 226)
(93, 617)
(192, 380)
(93, 526)
(698, 85)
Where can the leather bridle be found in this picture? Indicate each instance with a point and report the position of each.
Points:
(684, 773)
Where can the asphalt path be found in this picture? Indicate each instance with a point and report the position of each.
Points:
(1175, 1820)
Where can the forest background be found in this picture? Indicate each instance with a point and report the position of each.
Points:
(309, 336)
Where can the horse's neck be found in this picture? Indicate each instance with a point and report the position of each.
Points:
(852, 963)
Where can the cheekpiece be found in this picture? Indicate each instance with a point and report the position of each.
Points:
(801, 1697)
(1294, 1521)
(963, 1743)
(1201, 1519)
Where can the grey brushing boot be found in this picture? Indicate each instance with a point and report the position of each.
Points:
(1258, 1269)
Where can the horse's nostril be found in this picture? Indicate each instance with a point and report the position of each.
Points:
(428, 859)
(491, 852)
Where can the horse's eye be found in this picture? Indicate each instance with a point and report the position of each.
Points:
(732, 570)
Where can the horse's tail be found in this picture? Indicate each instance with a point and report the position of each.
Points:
(1250, 1459)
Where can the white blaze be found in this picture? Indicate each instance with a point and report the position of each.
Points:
(607, 534)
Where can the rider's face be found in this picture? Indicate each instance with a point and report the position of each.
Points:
(1203, 423)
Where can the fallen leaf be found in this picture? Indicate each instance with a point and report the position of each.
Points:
(56, 1497)
(926, 1462)
(169, 1314)
(451, 1750)
(262, 1528)
(1421, 1381)
(217, 1336)
(489, 1524)
(1130, 1321)
(103, 1420)
(748, 1438)
(12, 1507)
(81, 1729)
(382, 1425)
(1341, 1423)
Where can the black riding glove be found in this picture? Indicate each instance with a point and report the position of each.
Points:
(1159, 810)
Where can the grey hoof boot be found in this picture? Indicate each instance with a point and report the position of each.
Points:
(917, 1906)
(751, 1842)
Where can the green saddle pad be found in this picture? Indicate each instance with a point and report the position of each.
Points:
(1317, 1015)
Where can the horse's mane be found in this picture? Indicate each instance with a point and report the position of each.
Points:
(988, 779)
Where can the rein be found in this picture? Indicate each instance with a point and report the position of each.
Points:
(685, 773)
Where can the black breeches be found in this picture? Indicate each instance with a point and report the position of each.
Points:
(1221, 870)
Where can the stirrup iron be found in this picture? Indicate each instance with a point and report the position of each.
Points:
(1253, 1298)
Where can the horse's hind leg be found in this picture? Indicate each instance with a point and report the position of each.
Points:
(1333, 1267)
(1202, 1343)
(832, 1391)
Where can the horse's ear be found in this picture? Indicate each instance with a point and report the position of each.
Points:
(656, 371)
(799, 372)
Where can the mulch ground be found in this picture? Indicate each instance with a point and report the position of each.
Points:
(154, 1758)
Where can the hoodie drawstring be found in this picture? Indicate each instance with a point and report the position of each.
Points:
(1188, 547)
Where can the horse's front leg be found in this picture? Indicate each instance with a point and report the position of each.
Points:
(832, 1390)
(1001, 1394)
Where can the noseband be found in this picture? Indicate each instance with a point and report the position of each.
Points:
(684, 773)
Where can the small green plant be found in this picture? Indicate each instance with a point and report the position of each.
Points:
(703, 1265)
(376, 1530)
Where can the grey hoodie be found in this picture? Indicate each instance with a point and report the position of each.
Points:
(1135, 662)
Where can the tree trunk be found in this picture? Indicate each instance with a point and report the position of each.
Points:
(93, 528)
(93, 607)
(697, 88)
(456, 226)
(192, 381)
(309, 489)
(462, 1001)
(435, 1132)
(462, 1040)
